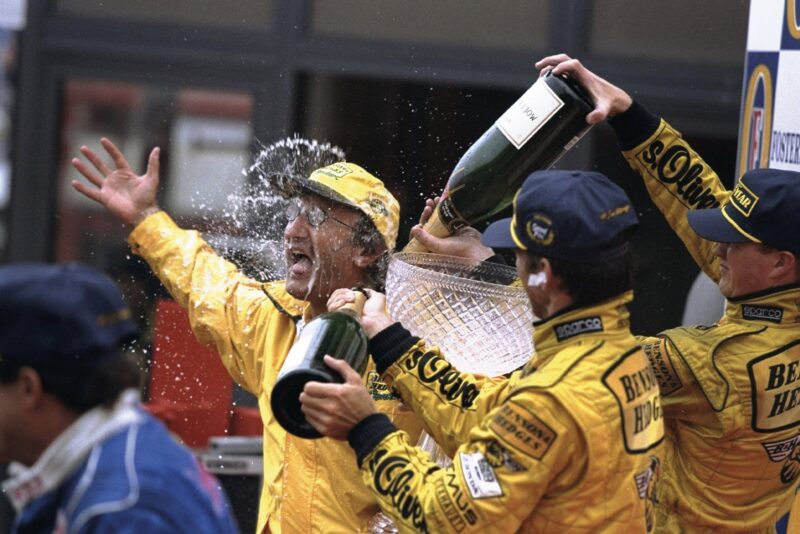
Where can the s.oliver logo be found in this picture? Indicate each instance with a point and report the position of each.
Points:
(393, 481)
(673, 166)
(435, 371)
(577, 327)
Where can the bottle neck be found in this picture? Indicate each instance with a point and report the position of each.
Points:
(354, 308)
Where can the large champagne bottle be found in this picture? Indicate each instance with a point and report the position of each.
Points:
(338, 334)
(531, 135)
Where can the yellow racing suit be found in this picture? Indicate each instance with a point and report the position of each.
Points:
(308, 485)
(568, 444)
(731, 391)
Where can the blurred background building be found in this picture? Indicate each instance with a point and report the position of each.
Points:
(403, 87)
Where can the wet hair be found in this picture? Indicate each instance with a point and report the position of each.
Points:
(592, 282)
(82, 391)
(367, 238)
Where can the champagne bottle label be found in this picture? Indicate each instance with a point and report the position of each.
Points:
(528, 114)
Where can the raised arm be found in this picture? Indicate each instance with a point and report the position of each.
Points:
(129, 197)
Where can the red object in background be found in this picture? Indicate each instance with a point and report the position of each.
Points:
(190, 390)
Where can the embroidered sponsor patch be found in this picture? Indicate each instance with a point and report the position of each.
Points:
(743, 199)
(522, 430)
(668, 380)
(378, 390)
(646, 486)
(788, 452)
(499, 457)
(479, 476)
(453, 502)
(393, 482)
(775, 384)
(539, 228)
(578, 326)
(435, 373)
(762, 313)
(633, 383)
(680, 173)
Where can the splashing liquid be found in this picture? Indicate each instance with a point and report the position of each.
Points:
(256, 215)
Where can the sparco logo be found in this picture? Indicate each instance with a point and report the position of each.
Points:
(674, 167)
(762, 313)
(579, 326)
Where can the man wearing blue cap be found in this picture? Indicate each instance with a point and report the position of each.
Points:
(570, 442)
(731, 390)
(87, 458)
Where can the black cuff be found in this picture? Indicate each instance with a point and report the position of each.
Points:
(389, 344)
(634, 125)
(368, 433)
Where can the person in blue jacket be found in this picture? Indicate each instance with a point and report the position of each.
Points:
(85, 457)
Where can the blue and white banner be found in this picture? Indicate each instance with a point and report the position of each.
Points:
(769, 127)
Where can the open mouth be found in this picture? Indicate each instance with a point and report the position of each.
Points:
(299, 264)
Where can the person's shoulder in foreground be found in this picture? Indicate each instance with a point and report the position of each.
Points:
(86, 457)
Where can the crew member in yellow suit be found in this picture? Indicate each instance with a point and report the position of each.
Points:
(568, 444)
(731, 394)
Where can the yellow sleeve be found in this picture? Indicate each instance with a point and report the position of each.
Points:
(223, 305)
(449, 403)
(681, 396)
(678, 180)
(496, 480)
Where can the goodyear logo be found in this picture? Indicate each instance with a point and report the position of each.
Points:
(756, 120)
(744, 200)
(540, 229)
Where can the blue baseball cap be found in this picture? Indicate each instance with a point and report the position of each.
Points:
(570, 215)
(61, 317)
(764, 207)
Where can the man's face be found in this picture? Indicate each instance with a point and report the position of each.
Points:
(743, 268)
(319, 248)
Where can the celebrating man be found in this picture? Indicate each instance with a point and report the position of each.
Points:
(342, 225)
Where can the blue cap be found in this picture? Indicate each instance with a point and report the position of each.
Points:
(570, 215)
(61, 317)
(764, 207)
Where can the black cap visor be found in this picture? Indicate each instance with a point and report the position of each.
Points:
(498, 235)
(711, 224)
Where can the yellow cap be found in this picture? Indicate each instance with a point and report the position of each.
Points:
(353, 186)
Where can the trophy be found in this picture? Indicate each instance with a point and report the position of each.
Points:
(472, 310)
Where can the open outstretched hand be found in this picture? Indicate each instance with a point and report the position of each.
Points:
(126, 195)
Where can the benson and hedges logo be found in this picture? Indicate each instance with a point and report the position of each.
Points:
(756, 120)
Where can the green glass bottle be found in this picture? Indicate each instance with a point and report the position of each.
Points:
(546, 121)
(338, 334)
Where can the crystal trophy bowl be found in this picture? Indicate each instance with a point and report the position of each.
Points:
(470, 309)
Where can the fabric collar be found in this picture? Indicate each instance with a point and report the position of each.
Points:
(609, 318)
(779, 305)
(69, 450)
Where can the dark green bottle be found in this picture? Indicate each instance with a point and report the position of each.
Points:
(338, 334)
(531, 135)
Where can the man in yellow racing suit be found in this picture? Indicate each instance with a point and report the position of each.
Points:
(731, 391)
(342, 223)
(570, 443)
